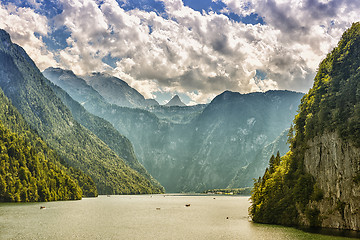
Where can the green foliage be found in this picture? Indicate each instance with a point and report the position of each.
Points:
(318, 194)
(29, 170)
(333, 104)
(312, 214)
(272, 198)
(340, 206)
(357, 178)
(274, 162)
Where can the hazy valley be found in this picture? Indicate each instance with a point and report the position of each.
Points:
(191, 149)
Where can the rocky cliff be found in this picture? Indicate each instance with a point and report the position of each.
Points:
(335, 165)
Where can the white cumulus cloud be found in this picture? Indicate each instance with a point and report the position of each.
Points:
(200, 54)
(26, 29)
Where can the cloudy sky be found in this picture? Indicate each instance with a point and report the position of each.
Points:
(195, 48)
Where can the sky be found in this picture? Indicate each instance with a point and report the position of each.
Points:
(194, 48)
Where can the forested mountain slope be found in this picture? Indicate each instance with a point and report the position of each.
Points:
(29, 170)
(318, 182)
(23, 83)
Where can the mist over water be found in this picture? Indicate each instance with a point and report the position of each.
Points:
(141, 217)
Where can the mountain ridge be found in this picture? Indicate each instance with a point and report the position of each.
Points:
(23, 83)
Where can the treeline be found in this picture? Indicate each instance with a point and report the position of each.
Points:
(333, 104)
(283, 190)
(230, 191)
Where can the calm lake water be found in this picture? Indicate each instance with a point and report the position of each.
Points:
(141, 217)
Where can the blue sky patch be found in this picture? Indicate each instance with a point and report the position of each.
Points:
(48, 8)
(260, 74)
(56, 40)
(206, 5)
(111, 61)
(144, 5)
(218, 6)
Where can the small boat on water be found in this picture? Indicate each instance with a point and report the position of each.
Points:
(187, 205)
(42, 207)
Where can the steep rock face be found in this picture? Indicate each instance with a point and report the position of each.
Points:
(232, 132)
(335, 165)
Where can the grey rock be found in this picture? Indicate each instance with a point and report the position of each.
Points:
(335, 163)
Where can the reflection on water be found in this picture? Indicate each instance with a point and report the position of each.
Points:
(141, 217)
(333, 232)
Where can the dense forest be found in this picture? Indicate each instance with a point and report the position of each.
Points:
(29, 169)
(332, 105)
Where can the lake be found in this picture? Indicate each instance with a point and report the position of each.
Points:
(141, 217)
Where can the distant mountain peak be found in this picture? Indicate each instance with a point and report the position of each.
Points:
(175, 101)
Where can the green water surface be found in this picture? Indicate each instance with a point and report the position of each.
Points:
(141, 217)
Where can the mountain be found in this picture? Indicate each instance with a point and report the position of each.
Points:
(31, 171)
(117, 91)
(176, 114)
(230, 134)
(27, 88)
(256, 168)
(198, 147)
(88, 97)
(175, 101)
(318, 182)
